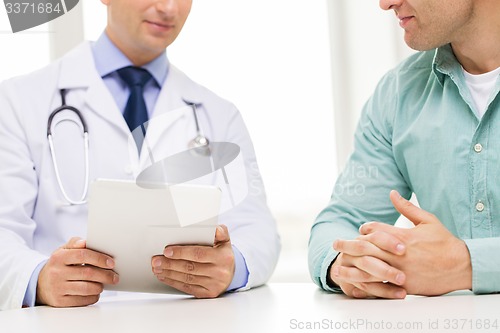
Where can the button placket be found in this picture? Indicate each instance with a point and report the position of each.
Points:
(480, 219)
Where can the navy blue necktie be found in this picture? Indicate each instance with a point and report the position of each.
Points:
(136, 113)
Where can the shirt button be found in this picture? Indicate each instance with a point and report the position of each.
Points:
(479, 206)
(478, 148)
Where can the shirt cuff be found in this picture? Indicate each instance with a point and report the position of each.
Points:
(325, 267)
(485, 264)
(30, 295)
(240, 278)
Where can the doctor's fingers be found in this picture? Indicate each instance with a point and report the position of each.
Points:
(81, 288)
(75, 243)
(221, 234)
(57, 284)
(198, 286)
(72, 301)
(82, 256)
(163, 266)
(160, 263)
(366, 269)
(89, 273)
(221, 254)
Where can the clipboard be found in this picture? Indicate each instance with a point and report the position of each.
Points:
(132, 224)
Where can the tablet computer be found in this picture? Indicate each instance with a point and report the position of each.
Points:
(132, 224)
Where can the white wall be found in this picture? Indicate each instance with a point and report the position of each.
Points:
(22, 52)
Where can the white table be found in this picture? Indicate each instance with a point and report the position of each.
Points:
(293, 307)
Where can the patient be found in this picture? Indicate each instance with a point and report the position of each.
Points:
(431, 129)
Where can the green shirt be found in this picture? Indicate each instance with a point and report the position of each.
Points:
(419, 133)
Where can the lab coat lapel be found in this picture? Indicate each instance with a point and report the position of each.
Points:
(78, 72)
(168, 128)
(177, 91)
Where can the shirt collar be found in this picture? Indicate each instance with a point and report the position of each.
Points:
(108, 58)
(446, 64)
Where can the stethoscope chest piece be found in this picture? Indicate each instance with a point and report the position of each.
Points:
(199, 144)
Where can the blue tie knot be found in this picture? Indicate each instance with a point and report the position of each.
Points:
(134, 76)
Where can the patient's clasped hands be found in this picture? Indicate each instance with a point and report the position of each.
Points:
(390, 262)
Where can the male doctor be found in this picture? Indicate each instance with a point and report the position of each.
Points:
(43, 254)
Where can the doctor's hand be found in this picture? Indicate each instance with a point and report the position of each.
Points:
(435, 261)
(201, 271)
(360, 270)
(74, 276)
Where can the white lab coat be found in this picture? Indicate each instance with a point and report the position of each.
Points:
(35, 219)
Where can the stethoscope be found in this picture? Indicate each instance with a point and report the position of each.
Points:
(65, 107)
(198, 141)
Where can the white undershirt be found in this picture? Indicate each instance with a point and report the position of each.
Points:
(481, 87)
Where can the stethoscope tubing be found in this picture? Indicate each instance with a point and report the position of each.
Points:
(65, 107)
(82, 199)
(199, 141)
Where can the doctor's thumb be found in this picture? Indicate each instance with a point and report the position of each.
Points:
(221, 234)
(75, 243)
